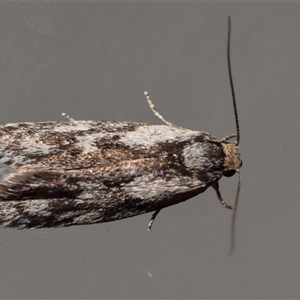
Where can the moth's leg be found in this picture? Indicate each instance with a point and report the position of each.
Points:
(152, 219)
(215, 186)
(228, 137)
(68, 118)
(156, 113)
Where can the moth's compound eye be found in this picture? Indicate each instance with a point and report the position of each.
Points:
(229, 173)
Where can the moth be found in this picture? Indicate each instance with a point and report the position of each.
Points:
(55, 174)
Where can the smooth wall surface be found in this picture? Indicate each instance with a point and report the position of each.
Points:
(93, 61)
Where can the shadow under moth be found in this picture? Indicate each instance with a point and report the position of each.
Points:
(55, 174)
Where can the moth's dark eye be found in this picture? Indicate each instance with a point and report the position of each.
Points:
(229, 173)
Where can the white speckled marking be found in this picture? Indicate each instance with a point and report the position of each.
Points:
(195, 155)
(145, 136)
(157, 188)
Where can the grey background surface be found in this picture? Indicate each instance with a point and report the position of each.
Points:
(93, 61)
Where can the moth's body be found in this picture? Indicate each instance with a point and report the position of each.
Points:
(83, 172)
(55, 174)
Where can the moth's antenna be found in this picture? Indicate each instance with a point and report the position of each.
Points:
(231, 85)
(233, 219)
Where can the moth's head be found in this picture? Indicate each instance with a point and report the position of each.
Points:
(232, 160)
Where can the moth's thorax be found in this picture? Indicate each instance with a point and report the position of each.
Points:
(232, 160)
(205, 160)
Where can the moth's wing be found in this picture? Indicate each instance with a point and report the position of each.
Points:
(42, 198)
(59, 145)
(85, 144)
